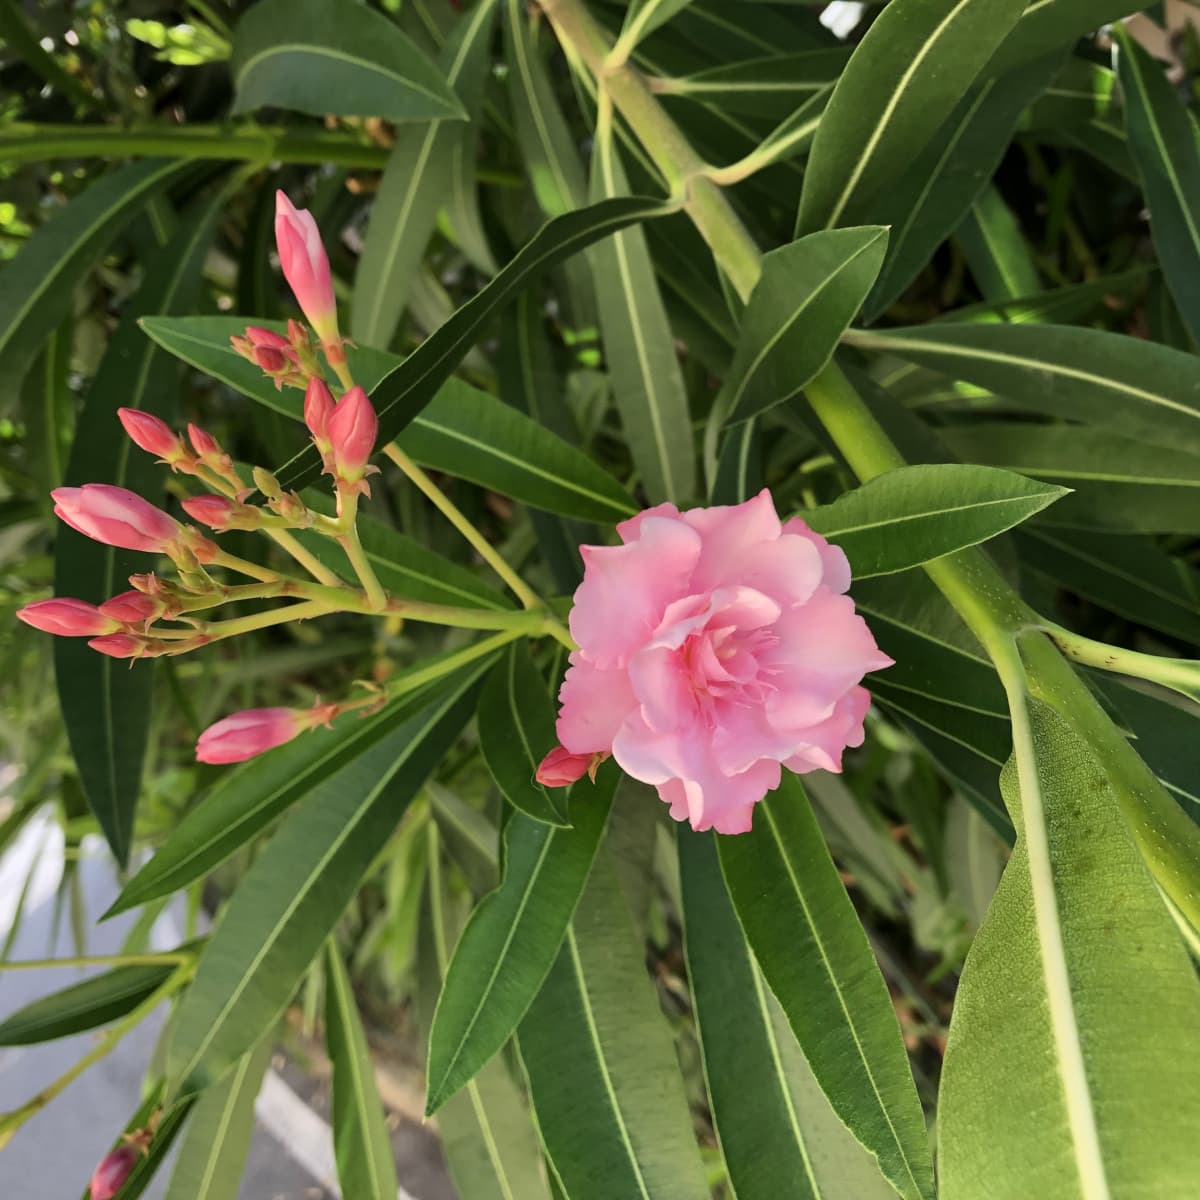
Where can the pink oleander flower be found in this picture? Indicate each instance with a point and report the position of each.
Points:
(306, 268)
(113, 1170)
(716, 646)
(352, 429)
(132, 608)
(115, 516)
(68, 618)
(255, 730)
(154, 436)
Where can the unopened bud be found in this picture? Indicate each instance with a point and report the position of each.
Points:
(113, 1170)
(266, 483)
(352, 428)
(318, 408)
(66, 617)
(115, 516)
(133, 608)
(153, 435)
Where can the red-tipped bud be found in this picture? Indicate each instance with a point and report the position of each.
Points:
(67, 618)
(127, 645)
(352, 428)
(204, 444)
(306, 266)
(272, 361)
(153, 435)
(133, 608)
(318, 407)
(561, 768)
(257, 336)
(113, 1170)
(214, 511)
(115, 516)
(246, 734)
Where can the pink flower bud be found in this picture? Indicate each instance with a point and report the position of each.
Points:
(132, 608)
(306, 266)
(242, 346)
(245, 734)
(153, 435)
(269, 359)
(67, 618)
(126, 645)
(561, 768)
(318, 407)
(352, 428)
(214, 511)
(115, 516)
(204, 444)
(113, 1170)
(257, 336)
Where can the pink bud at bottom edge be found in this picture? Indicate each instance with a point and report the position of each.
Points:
(113, 1170)
(561, 768)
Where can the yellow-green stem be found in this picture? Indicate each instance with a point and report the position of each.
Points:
(348, 539)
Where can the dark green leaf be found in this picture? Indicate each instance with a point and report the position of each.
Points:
(915, 514)
(814, 954)
(772, 86)
(516, 731)
(914, 64)
(809, 293)
(334, 57)
(995, 249)
(513, 935)
(1046, 24)
(291, 898)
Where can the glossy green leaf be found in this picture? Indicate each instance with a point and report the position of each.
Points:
(639, 349)
(216, 1143)
(511, 940)
(414, 186)
(915, 514)
(1163, 143)
(1128, 576)
(616, 1123)
(463, 431)
(85, 1005)
(106, 704)
(334, 57)
(808, 294)
(1129, 386)
(40, 280)
(516, 731)
(1077, 1005)
(1047, 24)
(931, 198)
(485, 1129)
(995, 249)
(772, 1119)
(1118, 483)
(248, 799)
(291, 898)
(1055, 305)
(915, 63)
(361, 1140)
(816, 958)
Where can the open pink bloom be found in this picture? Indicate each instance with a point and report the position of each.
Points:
(113, 1170)
(716, 646)
(68, 618)
(115, 516)
(306, 267)
(352, 428)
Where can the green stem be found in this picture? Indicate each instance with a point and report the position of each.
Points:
(349, 540)
(318, 570)
(99, 960)
(1179, 674)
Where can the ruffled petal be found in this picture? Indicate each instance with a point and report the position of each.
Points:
(835, 565)
(594, 703)
(824, 744)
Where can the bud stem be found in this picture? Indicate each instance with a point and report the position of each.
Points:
(347, 501)
(1179, 674)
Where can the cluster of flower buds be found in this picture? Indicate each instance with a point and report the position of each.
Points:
(114, 1169)
(157, 617)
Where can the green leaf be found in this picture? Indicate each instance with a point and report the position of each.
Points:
(40, 281)
(930, 200)
(1128, 576)
(911, 68)
(248, 799)
(463, 431)
(85, 1005)
(1118, 483)
(772, 1119)
(485, 1130)
(645, 16)
(639, 348)
(1077, 973)
(616, 1122)
(361, 1139)
(290, 899)
(814, 954)
(995, 249)
(334, 57)
(106, 704)
(511, 940)
(915, 514)
(1128, 385)
(213, 1152)
(168, 1129)
(1046, 24)
(472, 841)
(516, 731)
(808, 294)
(414, 186)
(1163, 142)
